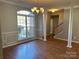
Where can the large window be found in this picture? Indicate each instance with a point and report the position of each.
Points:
(30, 26)
(26, 24)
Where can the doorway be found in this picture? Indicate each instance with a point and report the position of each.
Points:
(54, 23)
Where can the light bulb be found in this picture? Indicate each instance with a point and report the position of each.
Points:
(32, 10)
(42, 10)
(35, 8)
(37, 11)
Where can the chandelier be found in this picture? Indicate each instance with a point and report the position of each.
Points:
(37, 10)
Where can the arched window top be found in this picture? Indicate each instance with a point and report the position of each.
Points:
(24, 12)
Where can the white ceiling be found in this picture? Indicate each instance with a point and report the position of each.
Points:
(46, 3)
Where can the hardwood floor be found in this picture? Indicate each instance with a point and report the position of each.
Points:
(51, 49)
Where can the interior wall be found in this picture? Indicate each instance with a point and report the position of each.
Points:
(1, 55)
(66, 23)
(76, 24)
(48, 24)
(39, 25)
(8, 23)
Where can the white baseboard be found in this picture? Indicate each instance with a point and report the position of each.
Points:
(75, 41)
(65, 39)
(60, 38)
(15, 43)
(11, 44)
(18, 42)
(40, 38)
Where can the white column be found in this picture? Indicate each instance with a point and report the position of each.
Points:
(69, 44)
(44, 24)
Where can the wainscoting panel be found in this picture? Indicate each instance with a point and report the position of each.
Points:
(9, 38)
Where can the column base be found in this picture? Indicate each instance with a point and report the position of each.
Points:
(44, 40)
(69, 46)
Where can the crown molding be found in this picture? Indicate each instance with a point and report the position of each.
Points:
(8, 2)
(13, 3)
(77, 6)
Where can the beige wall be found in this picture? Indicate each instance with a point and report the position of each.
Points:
(48, 24)
(39, 25)
(76, 24)
(8, 23)
(0, 40)
(8, 18)
(66, 23)
(1, 55)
